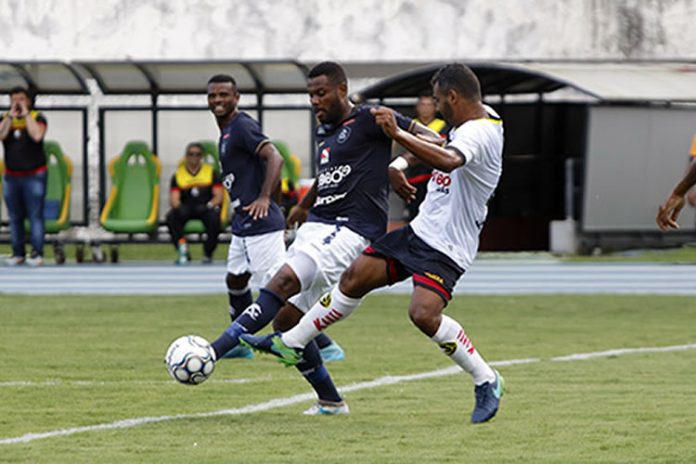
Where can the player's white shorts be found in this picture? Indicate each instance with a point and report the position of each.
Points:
(333, 248)
(260, 255)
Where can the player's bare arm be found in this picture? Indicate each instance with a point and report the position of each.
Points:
(432, 154)
(298, 214)
(274, 162)
(668, 213)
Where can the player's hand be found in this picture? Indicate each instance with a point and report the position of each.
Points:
(258, 209)
(297, 215)
(668, 213)
(401, 186)
(386, 119)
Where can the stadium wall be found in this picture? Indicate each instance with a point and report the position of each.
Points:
(360, 30)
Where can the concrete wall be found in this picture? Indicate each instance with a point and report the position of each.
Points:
(358, 30)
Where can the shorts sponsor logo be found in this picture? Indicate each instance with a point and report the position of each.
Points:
(325, 300)
(448, 348)
(343, 135)
(334, 176)
(435, 277)
(327, 200)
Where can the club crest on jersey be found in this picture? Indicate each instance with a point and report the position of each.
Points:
(324, 156)
(343, 135)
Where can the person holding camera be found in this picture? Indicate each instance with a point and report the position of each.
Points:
(22, 132)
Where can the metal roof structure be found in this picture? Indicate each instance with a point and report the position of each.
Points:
(151, 77)
(44, 77)
(634, 82)
(189, 77)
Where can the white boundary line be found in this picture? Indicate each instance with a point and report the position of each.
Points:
(104, 383)
(290, 400)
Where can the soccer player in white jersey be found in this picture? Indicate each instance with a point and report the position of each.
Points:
(439, 245)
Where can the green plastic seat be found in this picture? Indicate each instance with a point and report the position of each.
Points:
(58, 188)
(210, 156)
(133, 203)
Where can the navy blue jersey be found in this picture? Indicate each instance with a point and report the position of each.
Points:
(352, 178)
(243, 173)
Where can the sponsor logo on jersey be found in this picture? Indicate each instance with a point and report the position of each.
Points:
(324, 156)
(442, 181)
(323, 322)
(326, 300)
(435, 277)
(343, 134)
(333, 176)
(327, 200)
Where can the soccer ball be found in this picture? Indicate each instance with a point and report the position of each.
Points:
(190, 360)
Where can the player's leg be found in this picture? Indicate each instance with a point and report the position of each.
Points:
(365, 274)
(311, 367)
(286, 282)
(427, 303)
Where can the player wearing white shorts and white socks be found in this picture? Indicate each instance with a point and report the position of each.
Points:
(250, 173)
(437, 247)
(343, 212)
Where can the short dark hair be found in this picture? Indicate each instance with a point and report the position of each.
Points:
(195, 145)
(333, 71)
(459, 77)
(222, 78)
(425, 94)
(20, 89)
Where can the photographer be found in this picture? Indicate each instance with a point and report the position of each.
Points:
(22, 132)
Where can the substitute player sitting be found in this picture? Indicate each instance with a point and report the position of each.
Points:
(437, 247)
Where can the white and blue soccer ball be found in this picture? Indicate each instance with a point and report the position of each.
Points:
(190, 360)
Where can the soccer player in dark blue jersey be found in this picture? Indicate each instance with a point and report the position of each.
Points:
(343, 212)
(250, 173)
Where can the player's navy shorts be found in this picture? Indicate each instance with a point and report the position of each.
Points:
(409, 256)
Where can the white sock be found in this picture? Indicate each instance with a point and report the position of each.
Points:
(454, 343)
(332, 307)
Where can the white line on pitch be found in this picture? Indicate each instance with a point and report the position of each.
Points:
(290, 400)
(101, 383)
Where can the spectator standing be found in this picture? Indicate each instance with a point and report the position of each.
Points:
(22, 132)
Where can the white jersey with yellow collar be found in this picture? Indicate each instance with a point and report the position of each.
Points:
(455, 207)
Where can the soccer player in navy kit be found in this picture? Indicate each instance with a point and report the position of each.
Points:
(437, 247)
(344, 211)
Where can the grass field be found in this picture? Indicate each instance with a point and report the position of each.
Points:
(83, 361)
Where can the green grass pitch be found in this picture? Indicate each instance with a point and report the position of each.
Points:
(83, 361)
